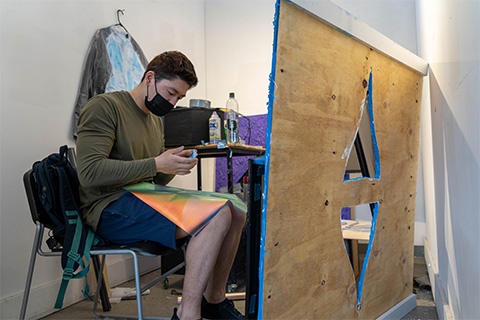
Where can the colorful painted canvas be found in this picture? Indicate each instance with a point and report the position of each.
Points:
(190, 210)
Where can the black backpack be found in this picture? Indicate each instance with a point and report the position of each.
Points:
(57, 186)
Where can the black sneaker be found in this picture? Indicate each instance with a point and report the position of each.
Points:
(174, 316)
(224, 310)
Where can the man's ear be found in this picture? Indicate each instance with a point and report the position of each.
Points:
(149, 77)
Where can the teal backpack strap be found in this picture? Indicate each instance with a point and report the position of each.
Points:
(90, 241)
(73, 256)
(76, 227)
(86, 253)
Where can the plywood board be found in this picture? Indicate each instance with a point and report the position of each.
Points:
(320, 78)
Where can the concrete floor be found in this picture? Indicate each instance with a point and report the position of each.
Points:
(421, 286)
(160, 302)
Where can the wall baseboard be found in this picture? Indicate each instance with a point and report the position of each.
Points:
(444, 310)
(42, 298)
(401, 309)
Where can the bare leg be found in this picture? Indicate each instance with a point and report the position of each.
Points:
(202, 254)
(215, 291)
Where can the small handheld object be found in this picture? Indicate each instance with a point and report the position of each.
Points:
(194, 153)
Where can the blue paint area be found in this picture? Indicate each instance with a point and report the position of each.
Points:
(271, 100)
(259, 160)
(367, 255)
(346, 212)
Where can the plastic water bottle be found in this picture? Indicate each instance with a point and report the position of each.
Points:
(214, 125)
(232, 119)
(246, 191)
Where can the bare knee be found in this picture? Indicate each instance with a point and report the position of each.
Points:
(238, 219)
(222, 220)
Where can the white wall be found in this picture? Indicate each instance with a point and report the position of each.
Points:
(239, 52)
(43, 47)
(449, 38)
(393, 18)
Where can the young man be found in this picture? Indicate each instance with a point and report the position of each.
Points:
(120, 142)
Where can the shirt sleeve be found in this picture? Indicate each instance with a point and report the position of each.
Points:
(96, 137)
(163, 178)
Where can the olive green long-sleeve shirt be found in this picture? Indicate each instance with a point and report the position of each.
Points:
(116, 146)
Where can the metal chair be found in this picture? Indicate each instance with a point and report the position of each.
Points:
(144, 248)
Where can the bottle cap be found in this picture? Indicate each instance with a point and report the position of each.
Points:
(232, 94)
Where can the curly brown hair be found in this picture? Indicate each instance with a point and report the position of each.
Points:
(171, 65)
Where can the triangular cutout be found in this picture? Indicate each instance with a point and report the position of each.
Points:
(358, 229)
(363, 160)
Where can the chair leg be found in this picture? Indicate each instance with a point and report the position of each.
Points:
(99, 282)
(137, 286)
(33, 257)
(103, 290)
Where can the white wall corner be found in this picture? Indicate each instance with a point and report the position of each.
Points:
(444, 310)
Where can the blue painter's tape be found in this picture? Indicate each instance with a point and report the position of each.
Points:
(367, 255)
(271, 99)
(377, 176)
(372, 126)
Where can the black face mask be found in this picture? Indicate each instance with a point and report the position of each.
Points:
(159, 106)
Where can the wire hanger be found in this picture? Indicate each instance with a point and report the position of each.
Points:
(120, 23)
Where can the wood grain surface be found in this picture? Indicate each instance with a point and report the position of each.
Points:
(320, 77)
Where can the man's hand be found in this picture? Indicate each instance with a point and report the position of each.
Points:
(175, 161)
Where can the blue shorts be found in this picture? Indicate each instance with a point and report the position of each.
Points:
(129, 219)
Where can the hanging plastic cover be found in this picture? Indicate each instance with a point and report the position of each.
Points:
(114, 62)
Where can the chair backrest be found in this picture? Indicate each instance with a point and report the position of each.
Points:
(36, 209)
